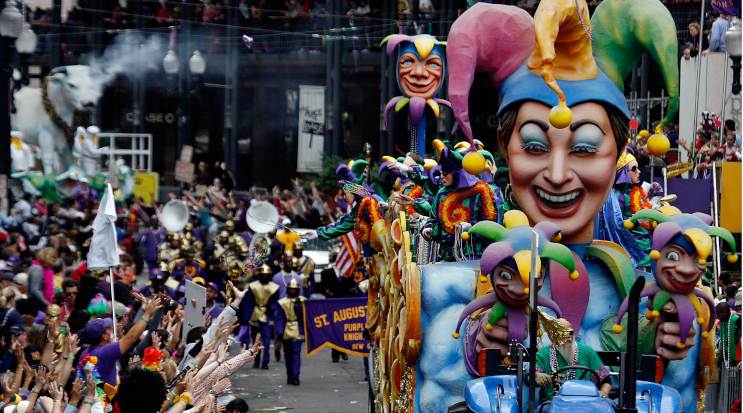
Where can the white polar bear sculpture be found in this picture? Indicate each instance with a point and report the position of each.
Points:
(70, 90)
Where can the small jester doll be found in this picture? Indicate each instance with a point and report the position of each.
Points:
(507, 265)
(681, 245)
(421, 69)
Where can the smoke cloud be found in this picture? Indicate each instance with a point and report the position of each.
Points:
(131, 54)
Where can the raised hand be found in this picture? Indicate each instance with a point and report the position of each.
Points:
(222, 385)
(190, 382)
(56, 391)
(72, 344)
(239, 294)
(134, 359)
(257, 345)
(39, 378)
(155, 339)
(77, 391)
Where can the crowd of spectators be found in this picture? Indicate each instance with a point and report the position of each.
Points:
(66, 329)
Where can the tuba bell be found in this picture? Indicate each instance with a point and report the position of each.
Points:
(174, 215)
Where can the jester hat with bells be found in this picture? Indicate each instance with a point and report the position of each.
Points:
(552, 59)
(422, 46)
(512, 247)
(451, 161)
(692, 232)
(355, 174)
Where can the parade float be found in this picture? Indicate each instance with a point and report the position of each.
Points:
(47, 126)
(564, 126)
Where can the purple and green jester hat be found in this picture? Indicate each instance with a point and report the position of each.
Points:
(512, 247)
(355, 178)
(422, 46)
(450, 161)
(692, 233)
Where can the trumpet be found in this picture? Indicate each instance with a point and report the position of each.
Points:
(678, 169)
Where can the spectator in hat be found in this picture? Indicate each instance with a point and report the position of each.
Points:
(20, 285)
(98, 333)
(287, 236)
(6, 280)
(212, 307)
(5, 256)
(84, 195)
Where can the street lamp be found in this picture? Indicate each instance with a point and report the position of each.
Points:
(11, 20)
(25, 44)
(197, 66)
(733, 45)
(171, 66)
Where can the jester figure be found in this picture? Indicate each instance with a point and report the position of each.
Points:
(507, 265)
(420, 71)
(681, 245)
(366, 207)
(463, 201)
(632, 199)
(397, 169)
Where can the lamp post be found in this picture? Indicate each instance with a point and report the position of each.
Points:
(25, 44)
(733, 45)
(170, 65)
(197, 66)
(11, 24)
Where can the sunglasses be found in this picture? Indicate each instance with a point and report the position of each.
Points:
(445, 173)
(70, 294)
(633, 169)
(570, 332)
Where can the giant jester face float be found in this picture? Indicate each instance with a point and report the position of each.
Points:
(562, 169)
(420, 64)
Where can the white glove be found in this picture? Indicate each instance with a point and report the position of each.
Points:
(465, 226)
(603, 394)
(402, 167)
(310, 235)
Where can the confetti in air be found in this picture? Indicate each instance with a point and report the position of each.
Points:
(248, 41)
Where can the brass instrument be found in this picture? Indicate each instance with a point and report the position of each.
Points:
(678, 169)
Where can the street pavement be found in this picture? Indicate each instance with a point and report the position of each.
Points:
(325, 387)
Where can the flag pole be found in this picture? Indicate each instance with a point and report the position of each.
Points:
(113, 301)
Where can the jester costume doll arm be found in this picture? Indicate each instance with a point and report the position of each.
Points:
(507, 265)
(681, 245)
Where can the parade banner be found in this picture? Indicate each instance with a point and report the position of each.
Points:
(726, 7)
(338, 323)
(311, 128)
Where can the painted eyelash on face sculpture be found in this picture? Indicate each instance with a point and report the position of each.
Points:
(582, 149)
(534, 147)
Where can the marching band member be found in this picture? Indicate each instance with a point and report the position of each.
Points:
(305, 268)
(290, 330)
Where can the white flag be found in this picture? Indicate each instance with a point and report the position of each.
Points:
(103, 253)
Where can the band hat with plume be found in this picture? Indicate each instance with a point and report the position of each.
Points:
(513, 243)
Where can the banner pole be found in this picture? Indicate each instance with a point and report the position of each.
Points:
(113, 302)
